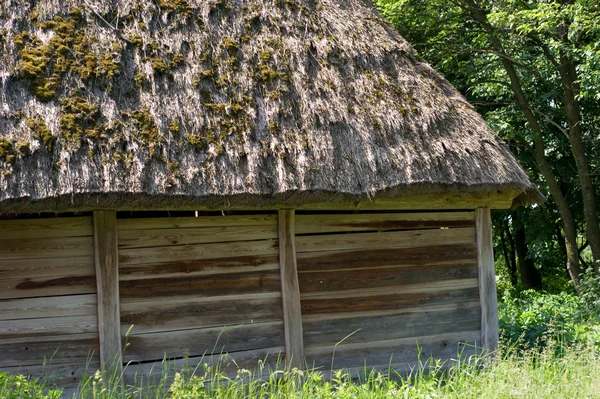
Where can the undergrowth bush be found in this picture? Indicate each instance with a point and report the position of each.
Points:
(550, 348)
(513, 374)
(531, 319)
(20, 387)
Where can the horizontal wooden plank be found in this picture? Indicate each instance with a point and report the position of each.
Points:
(73, 348)
(379, 278)
(410, 323)
(228, 363)
(200, 286)
(44, 286)
(148, 238)
(58, 306)
(27, 330)
(206, 341)
(46, 228)
(194, 222)
(192, 312)
(63, 375)
(385, 240)
(34, 248)
(332, 223)
(410, 350)
(177, 253)
(406, 369)
(422, 288)
(368, 258)
(196, 268)
(395, 299)
(47, 267)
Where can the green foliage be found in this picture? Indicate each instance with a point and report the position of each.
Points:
(535, 36)
(532, 374)
(531, 319)
(20, 387)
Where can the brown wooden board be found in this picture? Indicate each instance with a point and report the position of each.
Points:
(373, 326)
(72, 349)
(46, 228)
(197, 268)
(369, 258)
(390, 300)
(333, 223)
(385, 240)
(47, 267)
(412, 350)
(202, 286)
(196, 222)
(229, 363)
(57, 306)
(379, 278)
(422, 288)
(175, 253)
(46, 286)
(60, 247)
(63, 375)
(206, 341)
(155, 316)
(27, 330)
(178, 236)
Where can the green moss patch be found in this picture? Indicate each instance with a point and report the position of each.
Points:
(69, 50)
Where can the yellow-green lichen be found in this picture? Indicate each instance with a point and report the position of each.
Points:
(173, 127)
(230, 45)
(146, 130)
(79, 119)
(69, 49)
(41, 132)
(5, 148)
(24, 148)
(181, 7)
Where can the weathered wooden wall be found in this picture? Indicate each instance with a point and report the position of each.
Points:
(373, 285)
(48, 318)
(365, 288)
(194, 287)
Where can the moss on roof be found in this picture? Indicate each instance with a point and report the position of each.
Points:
(244, 97)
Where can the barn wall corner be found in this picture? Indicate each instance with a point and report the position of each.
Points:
(487, 280)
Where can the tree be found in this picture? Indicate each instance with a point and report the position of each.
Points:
(533, 70)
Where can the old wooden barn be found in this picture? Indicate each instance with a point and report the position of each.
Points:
(254, 178)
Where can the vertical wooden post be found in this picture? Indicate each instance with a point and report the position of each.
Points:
(487, 280)
(290, 290)
(107, 283)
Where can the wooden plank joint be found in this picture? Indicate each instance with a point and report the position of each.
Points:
(290, 290)
(107, 282)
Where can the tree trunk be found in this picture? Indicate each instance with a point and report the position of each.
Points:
(510, 260)
(537, 150)
(530, 276)
(568, 75)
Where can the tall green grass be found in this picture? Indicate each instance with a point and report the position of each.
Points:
(514, 373)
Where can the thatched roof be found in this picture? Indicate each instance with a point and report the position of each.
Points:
(228, 102)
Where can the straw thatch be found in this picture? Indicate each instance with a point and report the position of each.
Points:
(128, 102)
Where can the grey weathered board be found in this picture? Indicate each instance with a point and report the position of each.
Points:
(48, 321)
(196, 287)
(371, 286)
